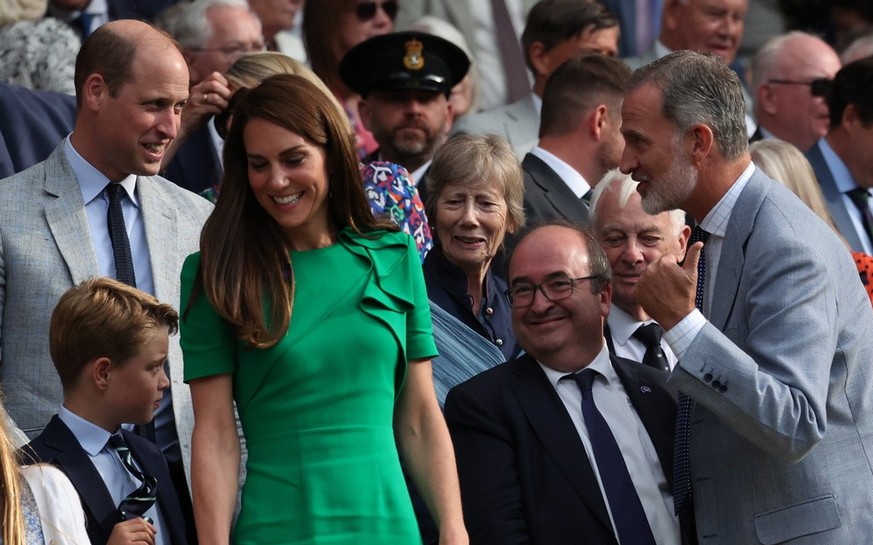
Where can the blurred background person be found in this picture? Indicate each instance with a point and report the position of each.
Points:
(784, 163)
(791, 75)
(278, 17)
(330, 29)
(464, 97)
(36, 52)
(329, 399)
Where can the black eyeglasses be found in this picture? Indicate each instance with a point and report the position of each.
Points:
(819, 87)
(367, 10)
(522, 295)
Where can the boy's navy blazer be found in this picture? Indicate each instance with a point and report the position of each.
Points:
(58, 446)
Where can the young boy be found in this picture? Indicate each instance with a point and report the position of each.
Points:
(109, 344)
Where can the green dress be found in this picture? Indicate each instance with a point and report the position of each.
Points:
(317, 408)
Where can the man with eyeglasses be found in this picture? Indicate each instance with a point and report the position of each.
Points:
(791, 75)
(566, 444)
(212, 35)
(843, 160)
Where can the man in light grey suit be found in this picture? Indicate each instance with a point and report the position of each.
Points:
(843, 160)
(555, 31)
(131, 84)
(778, 362)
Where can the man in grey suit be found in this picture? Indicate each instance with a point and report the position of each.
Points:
(555, 31)
(779, 437)
(843, 160)
(131, 84)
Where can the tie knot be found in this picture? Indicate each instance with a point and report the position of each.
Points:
(585, 379)
(859, 196)
(698, 234)
(649, 334)
(117, 442)
(112, 190)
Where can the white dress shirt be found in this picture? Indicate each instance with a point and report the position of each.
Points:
(575, 181)
(632, 438)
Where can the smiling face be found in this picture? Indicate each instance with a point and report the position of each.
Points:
(632, 239)
(654, 154)
(289, 179)
(136, 386)
(471, 223)
(133, 130)
(566, 333)
(711, 26)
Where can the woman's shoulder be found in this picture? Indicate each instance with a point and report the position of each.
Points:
(377, 239)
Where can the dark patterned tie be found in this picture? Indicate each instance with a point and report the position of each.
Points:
(511, 55)
(140, 500)
(650, 336)
(118, 235)
(627, 511)
(682, 441)
(861, 199)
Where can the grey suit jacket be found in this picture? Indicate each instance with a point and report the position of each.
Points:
(834, 198)
(518, 123)
(782, 432)
(46, 248)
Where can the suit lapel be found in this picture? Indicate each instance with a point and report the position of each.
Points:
(74, 461)
(163, 239)
(834, 198)
(732, 259)
(549, 419)
(554, 190)
(66, 217)
(654, 406)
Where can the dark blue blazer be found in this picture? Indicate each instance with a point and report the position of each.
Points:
(196, 165)
(32, 124)
(525, 476)
(58, 446)
(833, 198)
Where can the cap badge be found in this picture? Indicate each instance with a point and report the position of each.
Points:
(414, 60)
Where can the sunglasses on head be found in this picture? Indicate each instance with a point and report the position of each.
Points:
(367, 10)
(819, 87)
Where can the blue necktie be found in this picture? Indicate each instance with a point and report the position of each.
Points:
(682, 440)
(650, 335)
(630, 520)
(118, 235)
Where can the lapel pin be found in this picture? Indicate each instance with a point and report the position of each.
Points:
(645, 389)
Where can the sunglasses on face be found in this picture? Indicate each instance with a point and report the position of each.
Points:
(818, 87)
(367, 10)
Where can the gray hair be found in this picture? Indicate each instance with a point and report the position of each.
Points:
(473, 160)
(186, 22)
(624, 187)
(699, 88)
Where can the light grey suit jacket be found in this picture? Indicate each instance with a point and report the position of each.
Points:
(782, 431)
(46, 248)
(518, 123)
(834, 198)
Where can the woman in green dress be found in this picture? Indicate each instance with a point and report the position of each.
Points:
(312, 316)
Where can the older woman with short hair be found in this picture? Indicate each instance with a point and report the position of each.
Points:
(475, 197)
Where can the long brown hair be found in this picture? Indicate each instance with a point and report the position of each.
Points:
(245, 269)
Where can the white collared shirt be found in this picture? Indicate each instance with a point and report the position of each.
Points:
(571, 177)
(632, 438)
(680, 336)
(622, 326)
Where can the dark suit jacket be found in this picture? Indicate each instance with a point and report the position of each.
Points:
(525, 477)
(32, 124)
(196, 165)
(833, 198)
(58, 446)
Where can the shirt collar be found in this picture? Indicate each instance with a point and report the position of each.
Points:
(600, 363)
(622, 325)
(842, 177)
(418, 174)
(92, 437)
(92, 182)
(571, 177)
(716, 221)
